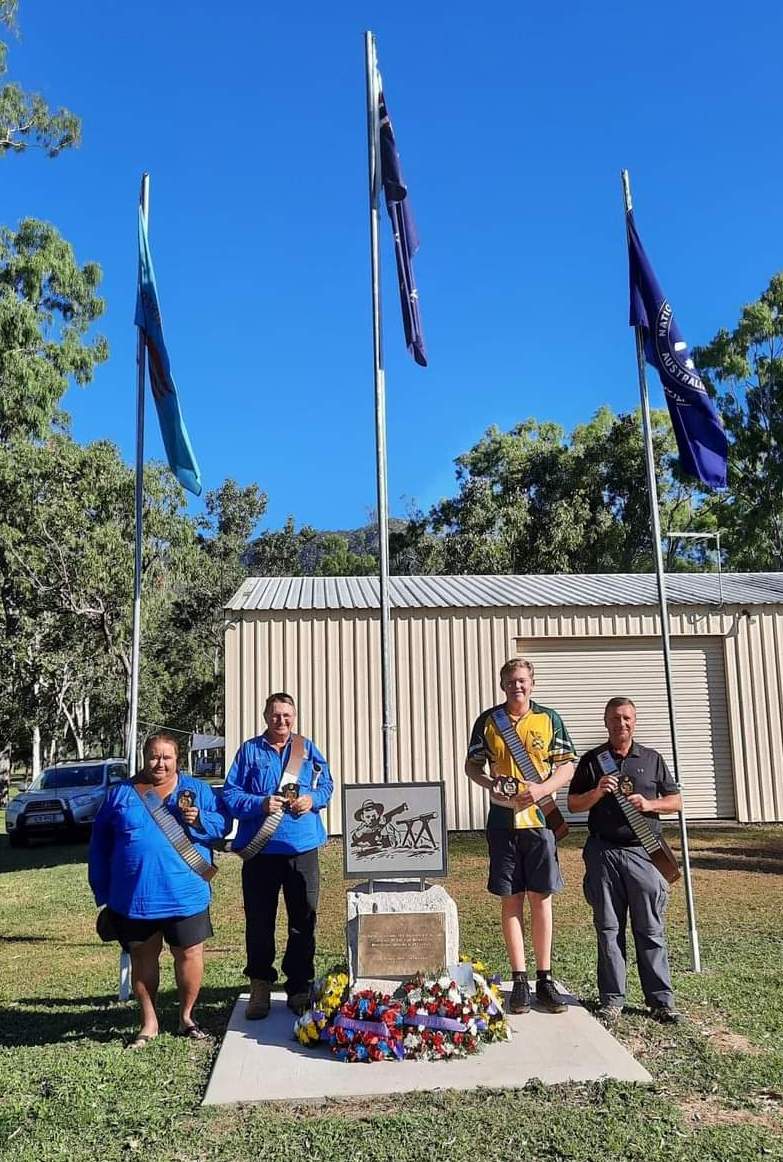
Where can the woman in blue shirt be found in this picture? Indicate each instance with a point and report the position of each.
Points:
(151, 891)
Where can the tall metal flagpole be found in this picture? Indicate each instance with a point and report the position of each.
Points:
(133, 710)
(374, 155)
(655, 522)
(133, 713)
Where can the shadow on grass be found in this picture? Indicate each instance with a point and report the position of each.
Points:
(40, 855)
(737, 861)
(750, 851)
(102, 1019)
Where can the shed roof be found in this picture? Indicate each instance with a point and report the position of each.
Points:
(529, 590)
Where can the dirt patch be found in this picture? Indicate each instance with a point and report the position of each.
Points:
(724, 1041)
(698, 1113)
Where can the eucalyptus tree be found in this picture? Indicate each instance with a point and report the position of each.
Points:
(744, 367)
(535, 500)
(26, 120)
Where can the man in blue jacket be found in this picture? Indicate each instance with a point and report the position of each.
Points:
(277, 787)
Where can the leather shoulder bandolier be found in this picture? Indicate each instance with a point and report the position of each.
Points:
(272, 821)
(554, 820)
(174, 832)
(655, 845)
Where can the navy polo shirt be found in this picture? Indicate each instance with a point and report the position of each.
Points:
(651, 778)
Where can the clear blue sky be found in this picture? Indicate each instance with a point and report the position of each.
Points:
(513, 121)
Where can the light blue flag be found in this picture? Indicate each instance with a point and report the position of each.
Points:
(176, 441)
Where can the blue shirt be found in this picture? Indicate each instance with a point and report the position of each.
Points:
(256, 773)
(135, 869)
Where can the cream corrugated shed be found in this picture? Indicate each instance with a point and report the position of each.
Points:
(590, 636)
(438, 592)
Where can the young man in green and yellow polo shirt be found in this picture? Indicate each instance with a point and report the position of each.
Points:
(522, 854)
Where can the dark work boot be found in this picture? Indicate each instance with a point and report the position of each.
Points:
(260, 1000)
(547, 996)
(520, 995)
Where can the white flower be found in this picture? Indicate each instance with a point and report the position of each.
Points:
(414, 996)
(444, 981)
(455, 996)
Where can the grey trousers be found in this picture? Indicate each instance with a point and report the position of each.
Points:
(619, 881)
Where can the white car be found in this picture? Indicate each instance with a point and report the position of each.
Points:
(63, 800)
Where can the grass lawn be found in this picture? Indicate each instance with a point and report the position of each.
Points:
(69, 1090)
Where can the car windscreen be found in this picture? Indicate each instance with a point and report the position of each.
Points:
(60, 777)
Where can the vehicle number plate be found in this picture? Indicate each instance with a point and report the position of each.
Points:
(43, 817)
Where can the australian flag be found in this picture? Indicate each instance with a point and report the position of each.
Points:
(701, 440)
(176, 441)
(406, 241)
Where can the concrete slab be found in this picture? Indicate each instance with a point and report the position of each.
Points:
(259, 1061)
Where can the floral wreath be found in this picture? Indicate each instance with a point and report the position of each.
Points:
(435, 1018)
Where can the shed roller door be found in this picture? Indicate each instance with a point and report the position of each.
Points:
(578, 676)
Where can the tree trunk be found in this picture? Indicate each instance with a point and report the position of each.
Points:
(36, 751)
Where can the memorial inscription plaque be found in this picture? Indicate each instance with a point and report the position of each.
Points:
(397, 945)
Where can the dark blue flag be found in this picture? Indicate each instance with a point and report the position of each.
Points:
(406, 241)
(701, 440)
(176, 441)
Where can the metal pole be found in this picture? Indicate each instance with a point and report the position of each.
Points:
(133, 713)
(703, 537)
(655, 522)
(374, 155)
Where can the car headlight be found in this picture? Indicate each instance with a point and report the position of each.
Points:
(84, 800)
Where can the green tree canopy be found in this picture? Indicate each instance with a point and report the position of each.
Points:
(47, 303)
(744, 368)
(534, 500)
(66, 547)
(190, 655)
(25, 118)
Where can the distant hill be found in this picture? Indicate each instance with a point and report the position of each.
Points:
(310, 548)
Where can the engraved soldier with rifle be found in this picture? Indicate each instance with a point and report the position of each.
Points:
(628, 865)
(530, 757)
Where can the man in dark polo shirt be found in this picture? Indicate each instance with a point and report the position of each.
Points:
(620, 878)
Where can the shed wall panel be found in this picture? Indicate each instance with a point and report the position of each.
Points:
(446, 671)
(582, 674)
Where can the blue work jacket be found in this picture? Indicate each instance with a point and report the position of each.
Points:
(256, 773)
(135, 869)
